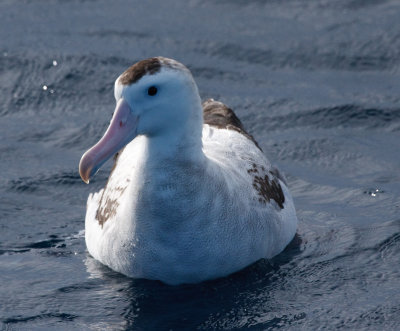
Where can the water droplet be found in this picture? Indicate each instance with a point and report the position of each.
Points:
(374, 192)
(5, 54)
(44, 87)
(55, 63)
(51, 91)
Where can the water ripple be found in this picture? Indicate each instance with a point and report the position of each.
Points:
(32, 184)
(343, 116)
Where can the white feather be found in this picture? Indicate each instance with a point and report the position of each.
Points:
(184, 225)
(186, 214)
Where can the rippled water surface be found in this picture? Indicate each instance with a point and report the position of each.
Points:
(317, 84)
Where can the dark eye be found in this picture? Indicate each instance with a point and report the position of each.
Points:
(152, 90)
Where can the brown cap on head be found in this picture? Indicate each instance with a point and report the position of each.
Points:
(140, 69)
(149, 66)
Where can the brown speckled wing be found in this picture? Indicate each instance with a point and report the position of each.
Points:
(267, 185)
(217, 114)
(265, 182)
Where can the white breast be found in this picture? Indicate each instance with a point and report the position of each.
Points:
(181, 223)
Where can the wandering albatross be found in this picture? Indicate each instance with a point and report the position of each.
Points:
(191, 196)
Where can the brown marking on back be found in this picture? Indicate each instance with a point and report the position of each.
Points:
(267, 189)
(140, 69)
(217, 114)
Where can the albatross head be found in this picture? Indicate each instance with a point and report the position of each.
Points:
(156, 97)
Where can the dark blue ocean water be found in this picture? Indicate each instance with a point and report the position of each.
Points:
(318, 85)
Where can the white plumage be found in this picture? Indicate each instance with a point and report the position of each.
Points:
(186, 201)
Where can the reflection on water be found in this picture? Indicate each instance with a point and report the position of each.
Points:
(229, 302)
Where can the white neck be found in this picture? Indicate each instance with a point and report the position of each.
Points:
(180, 141)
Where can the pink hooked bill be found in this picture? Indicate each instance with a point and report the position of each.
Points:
(122, 129)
